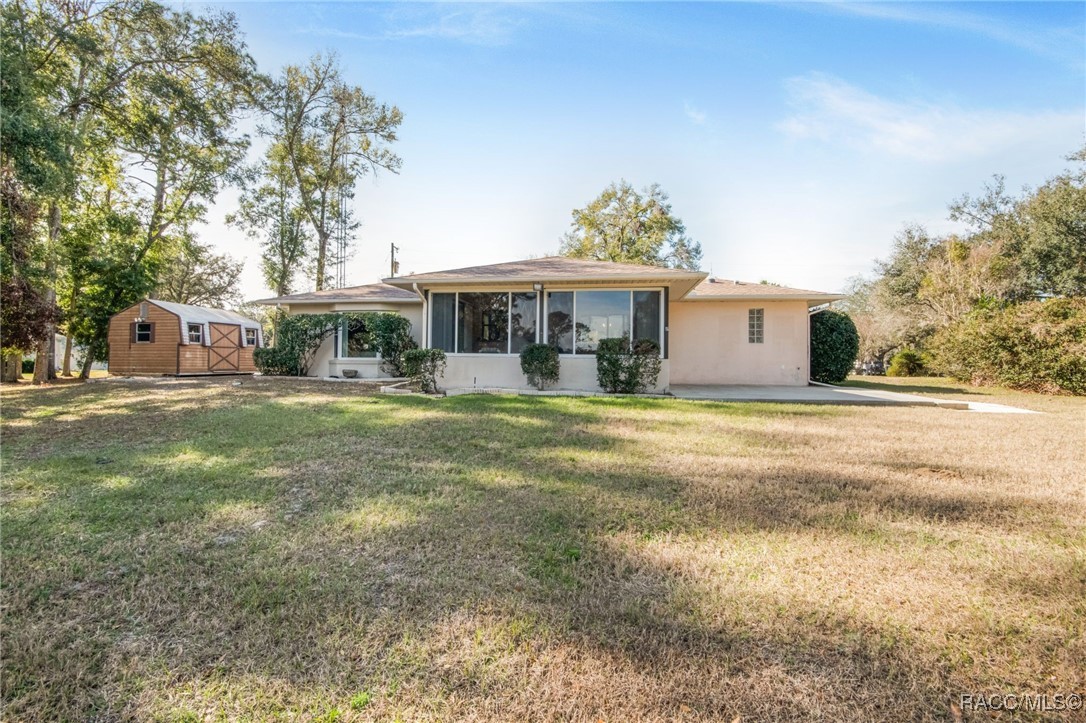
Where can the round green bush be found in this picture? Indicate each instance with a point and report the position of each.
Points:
(622, 368)
(424, 366)
(539, 362)
(834, 346)
(907, 363)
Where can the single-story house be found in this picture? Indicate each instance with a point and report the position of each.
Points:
(710, 330)
(161, 337)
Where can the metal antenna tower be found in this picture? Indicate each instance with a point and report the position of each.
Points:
(341, 234)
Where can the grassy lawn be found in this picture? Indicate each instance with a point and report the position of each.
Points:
(195, 550)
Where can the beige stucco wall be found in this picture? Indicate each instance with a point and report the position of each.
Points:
(708, 343)
(325, 363)
(503, 371)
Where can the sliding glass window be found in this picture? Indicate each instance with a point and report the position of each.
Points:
(522, 321)
(578, 320)
(646, 321)
(483, 322)
(601, 315)
(560, 321)
(443, 322)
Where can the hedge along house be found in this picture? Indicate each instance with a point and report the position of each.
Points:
(709, 331)
(349, 346)
(161, 337)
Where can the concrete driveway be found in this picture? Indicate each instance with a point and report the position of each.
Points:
(820, 394)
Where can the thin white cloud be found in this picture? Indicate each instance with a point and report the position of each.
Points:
(697, 117)
(474, 25)
(1063, 43)
(829, 110)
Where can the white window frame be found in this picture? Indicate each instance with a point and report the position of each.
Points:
(337, 340)
(150, 332)
(631, 290)
(199, 333)
(256, 337)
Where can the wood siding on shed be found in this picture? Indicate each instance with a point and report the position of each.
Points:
(166, 354)
(157, 357)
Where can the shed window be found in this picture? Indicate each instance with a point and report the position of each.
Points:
(196, 334)
(756, 326)
(144, 332)
(250, 337)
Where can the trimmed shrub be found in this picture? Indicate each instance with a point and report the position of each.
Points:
(392, 337)
(834, 346)
(539, 362)
(625, 369)
(424, 366)
(276, 361)
(1038, 346)
(907, 363)
(297, 339)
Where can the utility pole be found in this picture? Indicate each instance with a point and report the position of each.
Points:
(395, 263)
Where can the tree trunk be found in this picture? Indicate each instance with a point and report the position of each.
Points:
(13, 367)
(66, 370)
(84, 373)
(41, 361)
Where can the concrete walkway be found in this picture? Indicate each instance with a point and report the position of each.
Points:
(820, 394)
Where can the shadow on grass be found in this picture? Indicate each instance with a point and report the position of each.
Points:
(265, 553)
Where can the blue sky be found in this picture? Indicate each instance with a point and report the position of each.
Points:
(795, 140)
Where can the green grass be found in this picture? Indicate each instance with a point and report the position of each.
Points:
(283, 550)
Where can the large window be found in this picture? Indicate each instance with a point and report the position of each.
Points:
(355, 339)
(560, 321)
(601, 315)
(578, 320)
(483, 322)
(443, 322)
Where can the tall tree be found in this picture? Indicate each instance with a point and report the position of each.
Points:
(624, 225)
(161, 90)
(330, 133)
(198, 276)
(26, 316)
(269, 210)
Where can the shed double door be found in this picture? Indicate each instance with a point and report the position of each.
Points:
(225, 350)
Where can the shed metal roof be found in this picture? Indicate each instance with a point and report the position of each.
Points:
(191, 314)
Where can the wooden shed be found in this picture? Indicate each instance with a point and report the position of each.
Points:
(161, 337)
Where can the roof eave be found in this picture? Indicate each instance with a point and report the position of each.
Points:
(684, 281)
(286, 301)
(820, 298)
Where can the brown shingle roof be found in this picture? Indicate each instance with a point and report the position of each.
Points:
(549, 267)
(369, 292)
(715, 288)
(557, 268)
